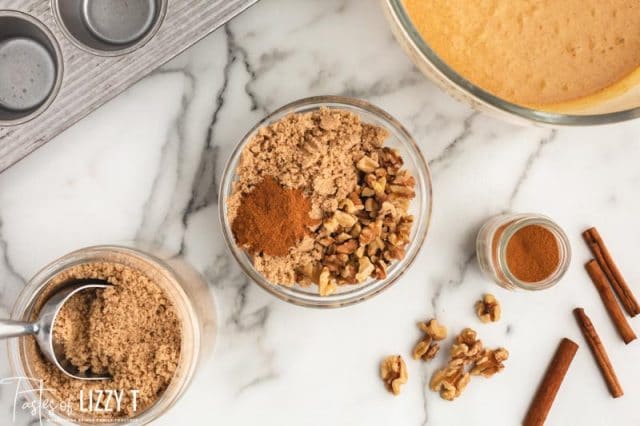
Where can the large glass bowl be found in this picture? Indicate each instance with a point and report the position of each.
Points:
(621, 105)
(398, 138)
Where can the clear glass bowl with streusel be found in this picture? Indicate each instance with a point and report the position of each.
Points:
(363, 186)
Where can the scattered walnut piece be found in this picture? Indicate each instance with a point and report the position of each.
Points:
(468, 336)
(467, 346)
(393, 371)
(466, 352)
(488, 308)
(434, 329)
(490, 362)
(450, 381)
(428, 347)
(468, 358)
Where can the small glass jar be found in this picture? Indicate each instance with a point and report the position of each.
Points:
(491, 249)
(182, 285)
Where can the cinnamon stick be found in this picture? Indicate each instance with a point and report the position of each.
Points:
(604, 258)
(599, 352)
(542, 401)
(599, 257)
(617, 316)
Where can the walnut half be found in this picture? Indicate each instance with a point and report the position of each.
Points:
(393, 371)
(428, 347)
(488, 308)
(490, 362)
(434, 329)
(450, 381)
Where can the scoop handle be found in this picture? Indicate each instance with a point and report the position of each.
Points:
(11, 328)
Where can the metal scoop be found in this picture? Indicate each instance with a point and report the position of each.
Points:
(42, 328)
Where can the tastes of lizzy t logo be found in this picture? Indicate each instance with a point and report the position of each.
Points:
(38, 406)
(93, 401)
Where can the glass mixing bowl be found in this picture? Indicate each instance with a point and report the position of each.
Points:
(186, 289)
(620, 105)
(398, 138)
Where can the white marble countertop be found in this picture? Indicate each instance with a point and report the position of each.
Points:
(147, 166)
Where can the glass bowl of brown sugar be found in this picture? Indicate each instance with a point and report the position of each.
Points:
(326, 202)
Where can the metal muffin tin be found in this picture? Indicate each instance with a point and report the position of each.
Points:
(61, 59)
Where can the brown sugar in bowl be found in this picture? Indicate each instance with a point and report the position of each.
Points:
(179, 282)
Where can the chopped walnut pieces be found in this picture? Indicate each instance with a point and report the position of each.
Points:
(306, 275)
(380, 271)
(428, 347)
(330, 225)
(326, 284)
(367, 164)
(488, 308)
(394, 373)
(348, 206)
(345, 220)
(347, 247)
(372, 226)
(365, 269)
(468, 358)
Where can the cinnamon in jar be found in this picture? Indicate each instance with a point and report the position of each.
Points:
(527, 251)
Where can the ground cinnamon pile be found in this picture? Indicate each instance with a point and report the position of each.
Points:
(532, 254)
(271, 219)
(130, 332)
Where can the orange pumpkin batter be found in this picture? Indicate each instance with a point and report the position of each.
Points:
(534, 52)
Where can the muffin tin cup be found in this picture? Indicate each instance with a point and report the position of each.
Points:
(109, 27)
(30, 67)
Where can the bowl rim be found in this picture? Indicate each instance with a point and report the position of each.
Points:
(360, 292)
(398, 13)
